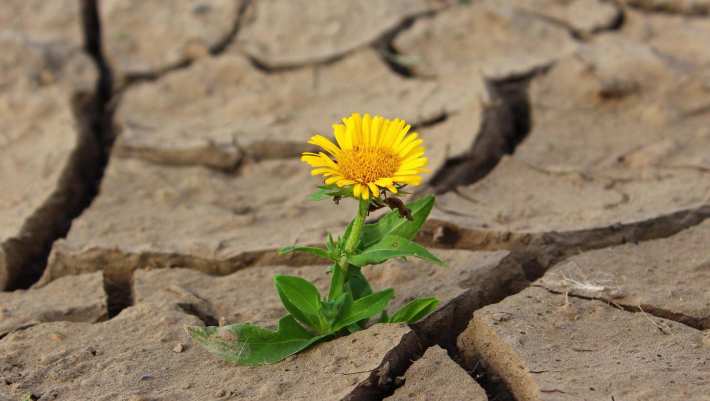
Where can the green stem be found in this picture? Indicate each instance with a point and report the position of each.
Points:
(359, 221)
(337, 287)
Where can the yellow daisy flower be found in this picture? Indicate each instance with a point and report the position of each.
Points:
(372, 153)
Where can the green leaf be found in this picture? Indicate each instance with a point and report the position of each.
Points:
(318, 195)
(320, 252)
(359, 286)
(346, 235)
(392, 246)
(246, 344)
(344, 308)
(302, 300)
(364, 308)
(394, 224)
(330, 191)
(331, 309)
(337, 282)
(414, 310)
(331, 245)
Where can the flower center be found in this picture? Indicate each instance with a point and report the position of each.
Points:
(367, 164)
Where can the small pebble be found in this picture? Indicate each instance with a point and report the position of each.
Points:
(146, 376)
(179, 348)
(439, 234)
(220, 393)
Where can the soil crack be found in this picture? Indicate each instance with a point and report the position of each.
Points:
(691, 9)
(446, 235)
(443, 327)
(506, 122)
(214, 50)
(383, 46)
(695, 323)
(495, 387)
(388, 52)
(534, 259)
(118, 276)
(384, 380)
(581, 35)
(119, 292)
(81, 176)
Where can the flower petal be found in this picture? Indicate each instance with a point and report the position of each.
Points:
(415, 163)
(356, 120)
(374, 189)
(400, 173)
(332, 180)
(357, 189)
(344, 141)
(409, 179)
(343, 182)
(383, 182)
(390, 135)
(400, 136)
(406, 141)
(384, 130)
(366, 126)
(323, 170)
(414, 153)
(375, 130)
(326, 144)
(403, 151)
(315, 161)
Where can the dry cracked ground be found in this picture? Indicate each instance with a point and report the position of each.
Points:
(148, 154)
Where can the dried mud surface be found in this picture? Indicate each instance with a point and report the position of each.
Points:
(436, 377)
(569, 148)
(549, 347)
(42, 147)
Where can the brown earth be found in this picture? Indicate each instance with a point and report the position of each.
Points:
(435, 377)
(569, 148)
(551, 347)
(43, 71)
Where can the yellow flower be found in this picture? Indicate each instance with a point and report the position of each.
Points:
(372, 153)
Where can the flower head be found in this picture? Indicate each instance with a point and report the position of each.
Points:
(372, 154)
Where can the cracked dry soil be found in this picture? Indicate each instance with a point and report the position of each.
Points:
(148, 156)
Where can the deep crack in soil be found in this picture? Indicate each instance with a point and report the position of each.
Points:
(81, 176)
(506, 122)
(384, 380)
